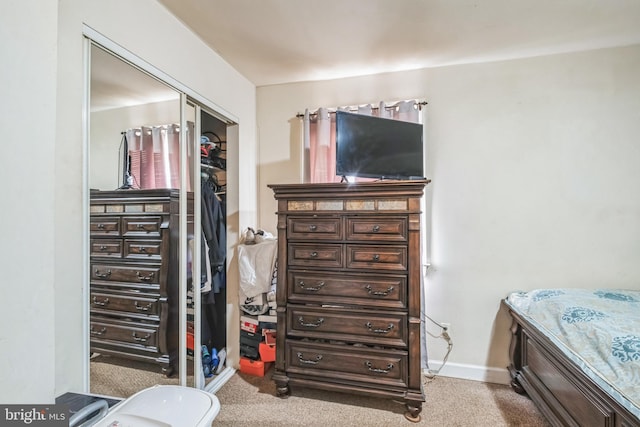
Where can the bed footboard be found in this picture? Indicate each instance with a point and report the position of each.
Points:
(560, 389)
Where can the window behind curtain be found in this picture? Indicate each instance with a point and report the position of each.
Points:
(320, 135)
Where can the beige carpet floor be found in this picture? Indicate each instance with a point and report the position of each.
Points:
(119, 377)
(250, 401)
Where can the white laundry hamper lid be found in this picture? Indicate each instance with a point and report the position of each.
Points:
(164, 406)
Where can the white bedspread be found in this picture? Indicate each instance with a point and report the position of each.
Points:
(598, 329)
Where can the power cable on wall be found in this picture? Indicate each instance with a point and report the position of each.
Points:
(444, 334)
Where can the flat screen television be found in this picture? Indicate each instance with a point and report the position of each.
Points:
(375, 147)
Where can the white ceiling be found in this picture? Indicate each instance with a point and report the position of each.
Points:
(283, 41)
(117, 84)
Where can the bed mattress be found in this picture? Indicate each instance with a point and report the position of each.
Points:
(597, 329)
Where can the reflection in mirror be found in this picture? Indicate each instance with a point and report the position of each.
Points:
(134, 129)
(189, 118)
(141, 254)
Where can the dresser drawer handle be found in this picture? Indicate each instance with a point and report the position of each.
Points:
(103, 248)
(100, 332)
(140, 226)
(142, 307)
(309, 361)
(314, 254)
(102, 303)
(376, 257)
(142, 249)
(369, 326)
(309, 288)
(378, 370)
(100, 226)
(375, 228)
(145, 278)
(379, 293)
(140, 339)
(102, 275)
(319, 322)
(313, 227)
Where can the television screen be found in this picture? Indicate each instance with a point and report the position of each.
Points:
(375, 147)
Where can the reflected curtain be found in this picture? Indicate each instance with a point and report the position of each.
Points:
(319, 135)
(154, 153)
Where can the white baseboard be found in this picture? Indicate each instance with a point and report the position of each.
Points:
(471, 372)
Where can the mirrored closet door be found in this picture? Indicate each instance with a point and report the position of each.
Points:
(156, 292)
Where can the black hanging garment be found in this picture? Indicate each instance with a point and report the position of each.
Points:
(214, 303)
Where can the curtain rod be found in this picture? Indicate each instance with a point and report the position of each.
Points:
(389, 107)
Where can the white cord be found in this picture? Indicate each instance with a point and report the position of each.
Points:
(432, 373)
(445, 336)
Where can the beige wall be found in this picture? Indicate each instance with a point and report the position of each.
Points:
(28, 120)
(43, 256)
(534, 169)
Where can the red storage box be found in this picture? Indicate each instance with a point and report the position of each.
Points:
(190, 339)
(267, 352)
(269, 336)
(253, 367)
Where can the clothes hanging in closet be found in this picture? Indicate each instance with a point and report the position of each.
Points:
(214, 231)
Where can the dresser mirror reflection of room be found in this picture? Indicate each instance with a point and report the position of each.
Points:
(156, 238)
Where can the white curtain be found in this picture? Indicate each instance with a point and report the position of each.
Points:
(319, 133)
(155, 156)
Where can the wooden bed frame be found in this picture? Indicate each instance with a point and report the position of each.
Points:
(560, 389)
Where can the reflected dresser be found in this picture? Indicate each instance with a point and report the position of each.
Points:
(134, 275)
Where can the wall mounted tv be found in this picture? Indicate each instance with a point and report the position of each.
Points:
(375, 147)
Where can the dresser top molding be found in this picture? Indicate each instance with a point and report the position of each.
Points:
(332, 190)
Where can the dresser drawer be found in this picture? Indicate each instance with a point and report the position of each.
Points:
(312, 255)
(364, 326)
(106, 248)
(121, 273)
(104, 226)
(143, 249)
(141, 226)
(139, 305)
(314, 228)
(391, 229)
(384, 368)
(125, 332)
(383, 290)
(372, 257)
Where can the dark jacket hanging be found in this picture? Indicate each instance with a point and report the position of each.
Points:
(215, 232)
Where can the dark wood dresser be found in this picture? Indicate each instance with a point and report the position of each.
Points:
(134, 274)
(348, 293)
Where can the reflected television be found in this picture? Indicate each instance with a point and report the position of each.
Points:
(376, 147)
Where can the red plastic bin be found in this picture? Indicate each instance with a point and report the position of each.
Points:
(267, 352)
(253, 367)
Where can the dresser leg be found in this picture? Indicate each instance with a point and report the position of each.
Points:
(168, 371)
(282, 384)
(283, 391)
(413, 412)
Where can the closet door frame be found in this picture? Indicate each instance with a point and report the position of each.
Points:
(188, 98)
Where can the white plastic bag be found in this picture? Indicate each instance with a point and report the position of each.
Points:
(256, 263)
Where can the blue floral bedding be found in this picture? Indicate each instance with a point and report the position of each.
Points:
(597, 329)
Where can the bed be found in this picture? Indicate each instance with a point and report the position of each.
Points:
(576, 353)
